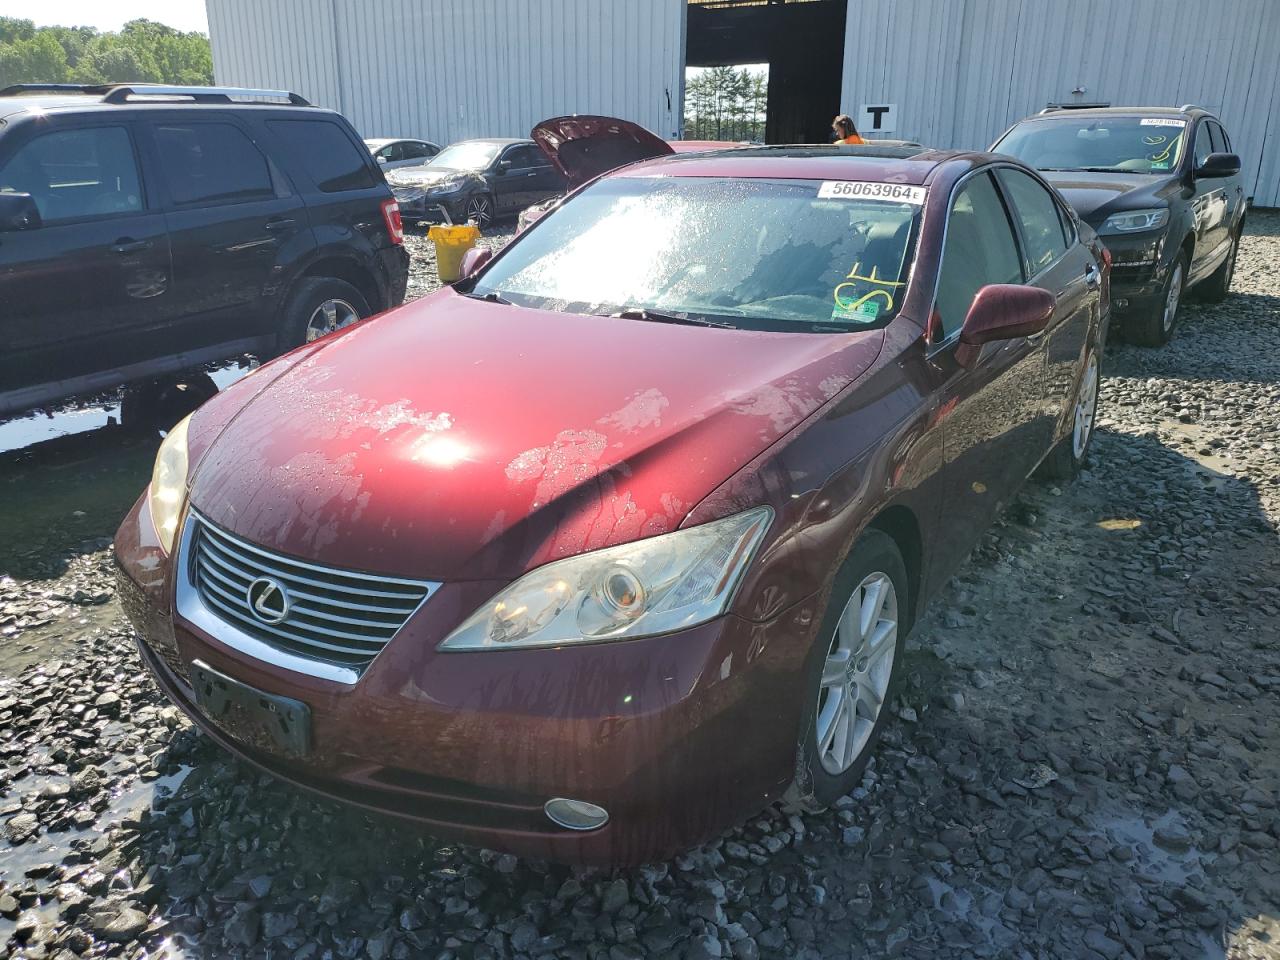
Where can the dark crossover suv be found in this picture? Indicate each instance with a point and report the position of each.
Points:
(145, 230)
(477, 180)
(1162, 188)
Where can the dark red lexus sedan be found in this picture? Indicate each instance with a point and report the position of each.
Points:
(619, 539)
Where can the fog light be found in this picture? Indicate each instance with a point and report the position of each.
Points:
(575, 814)
(1120, 303)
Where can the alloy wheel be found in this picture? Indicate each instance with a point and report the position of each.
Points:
(1086, 408)
(330, 316)
(855, 676)
(480, 210)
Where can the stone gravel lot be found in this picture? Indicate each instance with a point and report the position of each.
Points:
(1085, 764)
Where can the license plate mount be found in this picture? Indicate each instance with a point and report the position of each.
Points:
(264, 721)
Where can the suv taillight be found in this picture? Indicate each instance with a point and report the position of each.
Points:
(391, 216)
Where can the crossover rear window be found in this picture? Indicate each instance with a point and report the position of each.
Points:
(325, 151)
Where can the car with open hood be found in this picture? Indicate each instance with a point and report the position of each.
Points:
(1162, 188)
(476, 180)
(620, 538)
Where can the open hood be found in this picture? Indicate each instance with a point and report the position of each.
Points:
(583, 147)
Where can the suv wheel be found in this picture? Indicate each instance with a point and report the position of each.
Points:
(318, 307)
(1216, 288)
(1154, 327)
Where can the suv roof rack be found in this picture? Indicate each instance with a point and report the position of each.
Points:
(1055, 107)
(126, 92)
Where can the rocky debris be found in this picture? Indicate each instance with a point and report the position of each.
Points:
(1083, 760)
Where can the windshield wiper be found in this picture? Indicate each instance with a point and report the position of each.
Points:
(653, 316)
(491, 297)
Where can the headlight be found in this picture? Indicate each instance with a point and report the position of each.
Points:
(639, 589)
(1135, 221)
(169, 484)
(447, 186)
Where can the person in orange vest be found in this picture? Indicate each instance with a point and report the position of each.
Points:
(845, 131)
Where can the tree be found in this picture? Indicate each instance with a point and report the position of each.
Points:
(142, 51)
(725, 103)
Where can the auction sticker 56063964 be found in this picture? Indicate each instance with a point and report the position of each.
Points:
(871, 190)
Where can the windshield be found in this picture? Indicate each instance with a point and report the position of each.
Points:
(469, 155)
(1132, 144)
(757, 254)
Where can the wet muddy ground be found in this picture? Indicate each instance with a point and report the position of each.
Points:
(1085, 761)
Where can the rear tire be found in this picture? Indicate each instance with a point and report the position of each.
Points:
(1155, 326)
(853, 666)
(1218, 285)
(317, 307)
(1071, 453)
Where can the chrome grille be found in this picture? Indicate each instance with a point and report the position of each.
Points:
(334, 615)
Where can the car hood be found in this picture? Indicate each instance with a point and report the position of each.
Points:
(1095, 196)
(425, 176)
(457, 439)
(583, 147)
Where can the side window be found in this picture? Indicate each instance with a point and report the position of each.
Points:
(1038, 216)
(522, 157)
(1219, 138)
(76, 174)
(212, 163)
(1204, 144)
(327, 154)
(391, 152)
(1226, 141)
(979, 249)
(413, 150)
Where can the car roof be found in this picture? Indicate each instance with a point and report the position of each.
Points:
(500, 141)
(911, 165)
(1169, 113)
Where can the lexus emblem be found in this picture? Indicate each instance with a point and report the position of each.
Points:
(268, 600)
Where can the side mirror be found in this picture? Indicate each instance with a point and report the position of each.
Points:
(503, 167)
(473, 260)
(381, 160)
(1003, 311)
(18, 211)
(1218, 165)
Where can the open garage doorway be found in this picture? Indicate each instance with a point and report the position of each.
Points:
(795, 46)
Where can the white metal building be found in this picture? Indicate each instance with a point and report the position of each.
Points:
(955, 72)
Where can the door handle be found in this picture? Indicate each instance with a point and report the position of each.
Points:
(281, 224)
(129, 245)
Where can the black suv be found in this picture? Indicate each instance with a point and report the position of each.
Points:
(145, 230)
(1162, 189)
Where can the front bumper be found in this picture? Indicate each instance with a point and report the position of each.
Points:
(678, 737)
(1139, 269)
(417, 206)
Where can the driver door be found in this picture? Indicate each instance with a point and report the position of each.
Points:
(82, 290)
(993, 425)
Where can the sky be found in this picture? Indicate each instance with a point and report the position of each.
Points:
(108, 14)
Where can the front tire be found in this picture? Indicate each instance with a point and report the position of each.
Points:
(1071, 453)
(851, 672)
(1218, 285)
(1154, 327)
(479, 209)
(318, 307)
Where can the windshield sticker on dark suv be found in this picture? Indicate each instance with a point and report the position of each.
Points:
(1160, 122)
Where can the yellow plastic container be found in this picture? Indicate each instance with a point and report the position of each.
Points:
(451, 243)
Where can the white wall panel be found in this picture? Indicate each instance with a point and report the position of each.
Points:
(451, 69)
(962, 71)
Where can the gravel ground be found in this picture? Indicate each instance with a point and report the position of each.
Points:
(1086, 761)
